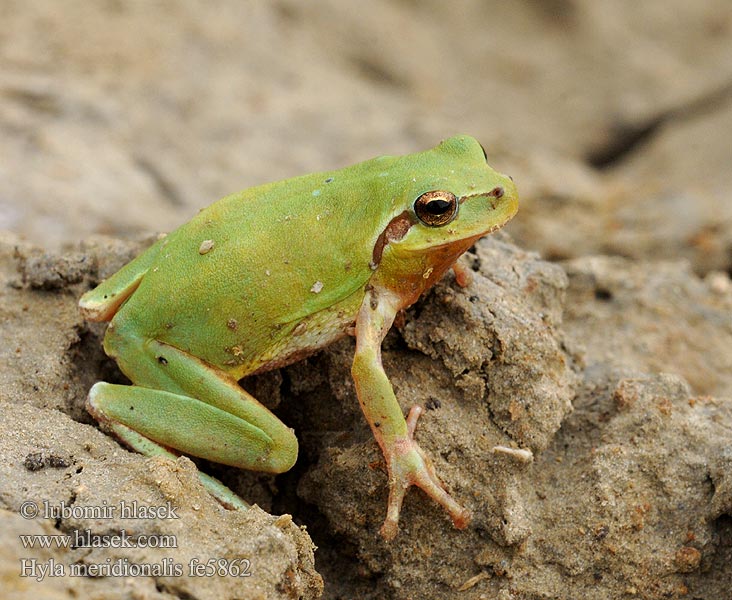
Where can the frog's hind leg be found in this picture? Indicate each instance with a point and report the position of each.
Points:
(102, 394)
(186, 405)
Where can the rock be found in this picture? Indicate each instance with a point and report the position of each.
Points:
(69, 472)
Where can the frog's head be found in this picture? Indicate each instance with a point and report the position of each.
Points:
(451, 199)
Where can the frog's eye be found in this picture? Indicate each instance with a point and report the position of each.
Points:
(436, 208)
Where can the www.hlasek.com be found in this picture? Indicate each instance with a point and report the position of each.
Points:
(87, 539)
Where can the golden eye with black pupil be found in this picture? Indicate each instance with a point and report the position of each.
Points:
(436, 208)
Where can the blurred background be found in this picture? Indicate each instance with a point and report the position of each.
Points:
(613, 116)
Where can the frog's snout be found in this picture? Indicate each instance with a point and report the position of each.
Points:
(505, 198)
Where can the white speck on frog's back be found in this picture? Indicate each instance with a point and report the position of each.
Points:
(317, 287)
(206, 246)
(316, 192)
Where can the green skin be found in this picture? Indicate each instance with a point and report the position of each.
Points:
(264, 277)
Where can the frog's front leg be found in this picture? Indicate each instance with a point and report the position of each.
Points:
(179, 402)
(406, 462)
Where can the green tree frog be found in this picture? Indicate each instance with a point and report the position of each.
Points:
(263, 278)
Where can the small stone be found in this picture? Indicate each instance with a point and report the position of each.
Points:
(34, 461)
(687, 559)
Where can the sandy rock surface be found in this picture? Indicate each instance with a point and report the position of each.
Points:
(53, 462)
(578, 394)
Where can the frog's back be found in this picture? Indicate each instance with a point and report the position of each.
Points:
(263, 275)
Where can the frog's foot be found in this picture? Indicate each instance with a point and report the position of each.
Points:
(463, 274)
(408, 465)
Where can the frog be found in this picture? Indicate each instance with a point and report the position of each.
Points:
(268, 276)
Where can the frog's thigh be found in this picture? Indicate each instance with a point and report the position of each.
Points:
(186, 404)
(150, 448)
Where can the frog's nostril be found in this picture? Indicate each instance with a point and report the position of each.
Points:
(496, 192)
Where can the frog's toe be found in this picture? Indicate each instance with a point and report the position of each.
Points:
(412, 468)
(408, 465)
